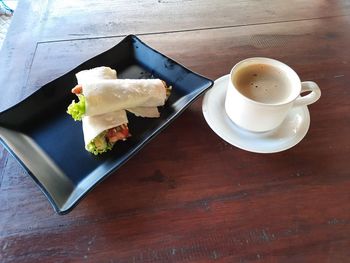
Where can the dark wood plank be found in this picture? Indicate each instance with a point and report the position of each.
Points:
(194, 197)
(123, 17)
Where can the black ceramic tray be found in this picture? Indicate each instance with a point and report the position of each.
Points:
(49, 144)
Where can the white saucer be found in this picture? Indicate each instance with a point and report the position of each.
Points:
(289, 133)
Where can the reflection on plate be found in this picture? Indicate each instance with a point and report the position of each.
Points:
(289, 133)
(30, 129)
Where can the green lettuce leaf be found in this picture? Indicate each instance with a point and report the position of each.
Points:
(77, 109)
(99, 144)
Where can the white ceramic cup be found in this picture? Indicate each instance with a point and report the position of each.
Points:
(257, 116)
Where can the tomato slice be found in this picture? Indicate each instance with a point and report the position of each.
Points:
(116, 134)
(125, 132)
(78, 89)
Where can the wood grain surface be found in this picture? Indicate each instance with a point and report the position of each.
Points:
(188, 196)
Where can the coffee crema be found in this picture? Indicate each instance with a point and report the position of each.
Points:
(263, 83)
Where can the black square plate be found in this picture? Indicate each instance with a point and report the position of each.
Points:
(48, 143)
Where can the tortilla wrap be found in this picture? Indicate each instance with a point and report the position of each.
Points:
(147, 112)
(110, 95)
(99, 73)
(95, 74)
(94, 125)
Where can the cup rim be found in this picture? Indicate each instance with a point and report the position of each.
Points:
(268, 61)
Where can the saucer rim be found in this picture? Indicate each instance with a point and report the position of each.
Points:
(285, 146)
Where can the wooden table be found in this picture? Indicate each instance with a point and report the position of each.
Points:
(189, 198)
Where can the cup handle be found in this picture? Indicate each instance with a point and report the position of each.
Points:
(310, 98)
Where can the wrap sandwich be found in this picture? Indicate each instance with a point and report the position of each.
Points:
(102, 103)
(101, 132)
(101, 96)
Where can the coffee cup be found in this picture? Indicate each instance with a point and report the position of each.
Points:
(261, 92)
